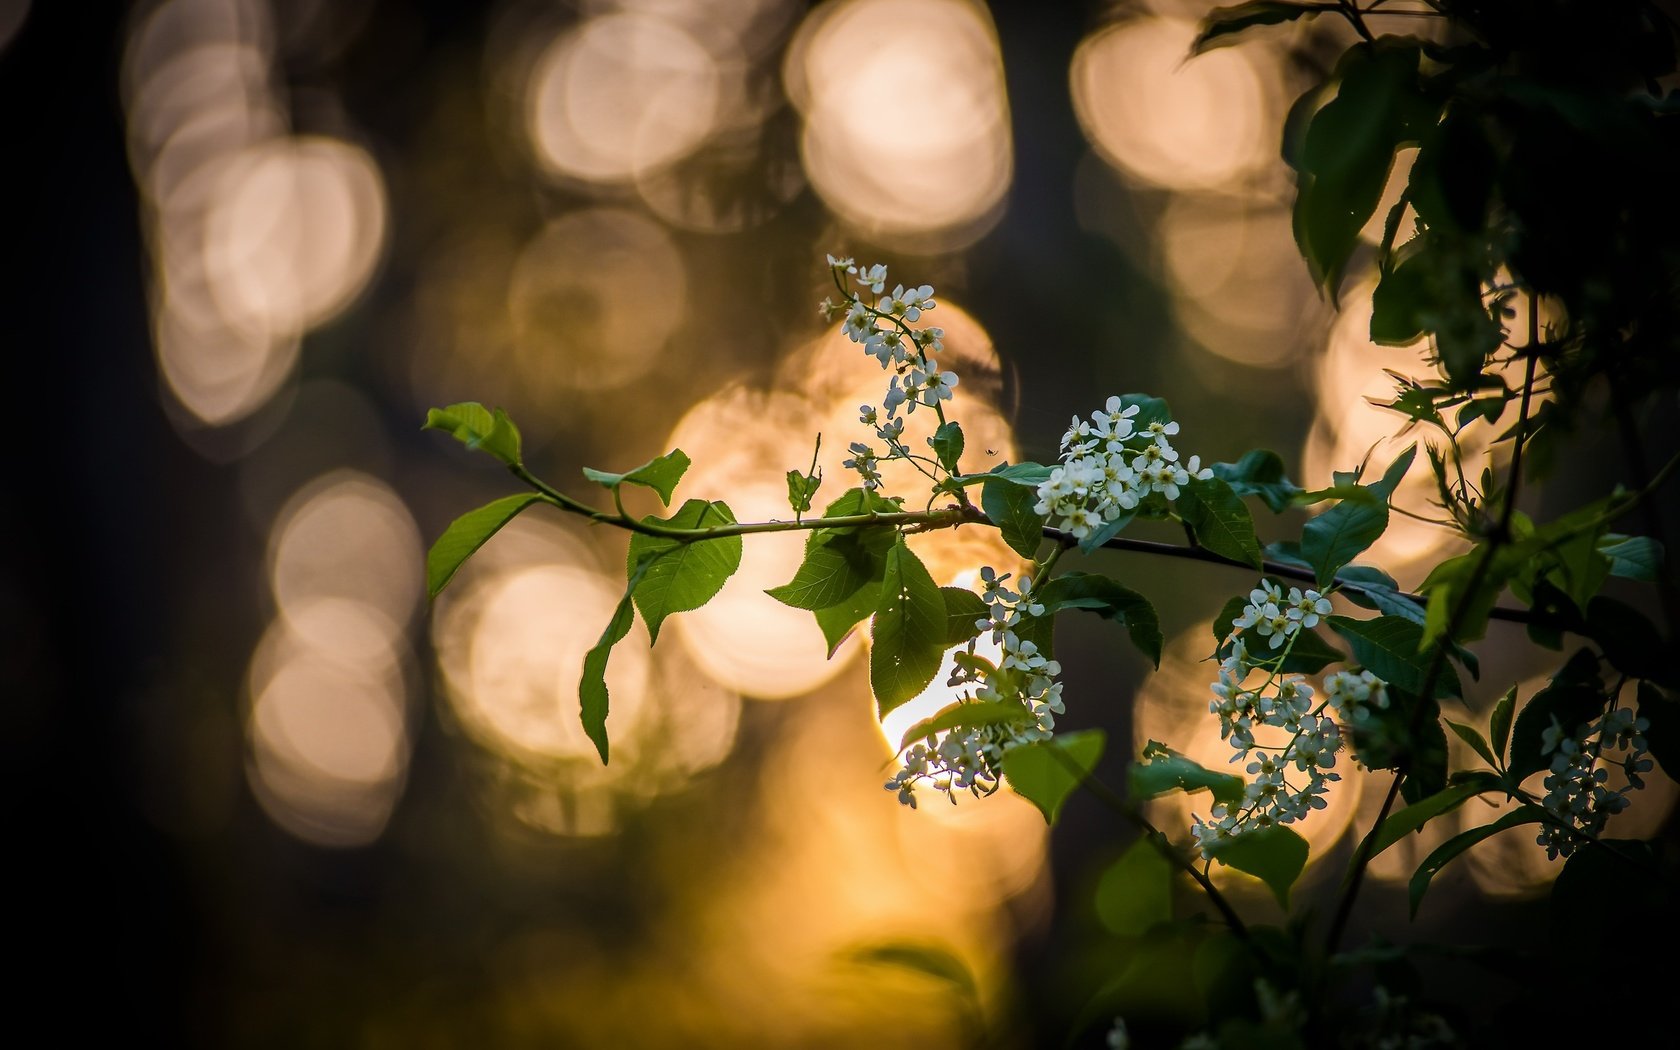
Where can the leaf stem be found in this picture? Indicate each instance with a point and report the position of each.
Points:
(1437, 662)
(1130, 811)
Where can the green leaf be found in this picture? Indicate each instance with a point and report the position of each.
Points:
(1405, 821)
(1401, 304)
(1339, 535)
(1222, 24)
(1371, 588)
(1220, 520)
(1030, 474)
(467, 534)
(1046, 772)
(1150, 410)
(947, 444)
(965, 715)
(1010, 507)
(1107, 531)
(1632, 557)
(1135, 892)
(1348, 149)
(1274, 855)
(477, 427)
(1259, 473)
(930, 960)
(837, 564)
(1101, 595)
(1499, 725)
(1450, 849)
(1164, 770)
(1385, 485)
(1445, 586)
(838, 621)
(1472, 736)
(963, 609)
(1572, 704)
(1388, 647)
(592, 690)
(909, 630)
(678, 576)
(802, 489)
(661, 475)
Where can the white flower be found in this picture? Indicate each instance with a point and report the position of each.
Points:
(844, 265)
(936, 386)
(873, 277)
(1307, 606)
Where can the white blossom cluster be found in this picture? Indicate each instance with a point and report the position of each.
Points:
(1276, 616)
(1577, 792)
(884, 332)
(969, 758)
(1109, 465)
(1288, 782)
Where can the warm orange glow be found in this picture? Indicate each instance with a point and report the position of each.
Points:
(328, 738)
(906, 118)
(593, 300)
(620, 94)
(345, 536)
(1202, 123)
(1240, 285)
(294, 229)
(527, 642)
(743, 443)
(511, 633)
(1348, 427)
(257, 236)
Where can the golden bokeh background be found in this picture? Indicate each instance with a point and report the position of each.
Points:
(375, 821)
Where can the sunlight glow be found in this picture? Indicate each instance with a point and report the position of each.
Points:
(906, 118)
(619, 94)
(1200, 123)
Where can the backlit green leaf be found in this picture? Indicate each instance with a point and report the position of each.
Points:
(1259, 473)
(1010, 507)
(1405, 821)
(909, 630)
(479, 428)
(1387, 646)
(1334, 538)
(1135, 892)
(466, 535)
(1274, 855)
(1450, 849)
(1101, 595)
(947, 443)
(1220, 520)
(678, 576)
(592, 689)
(963, 609)
(661, 475)
(1045, 773)
(1163, 770)
(963, 715)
